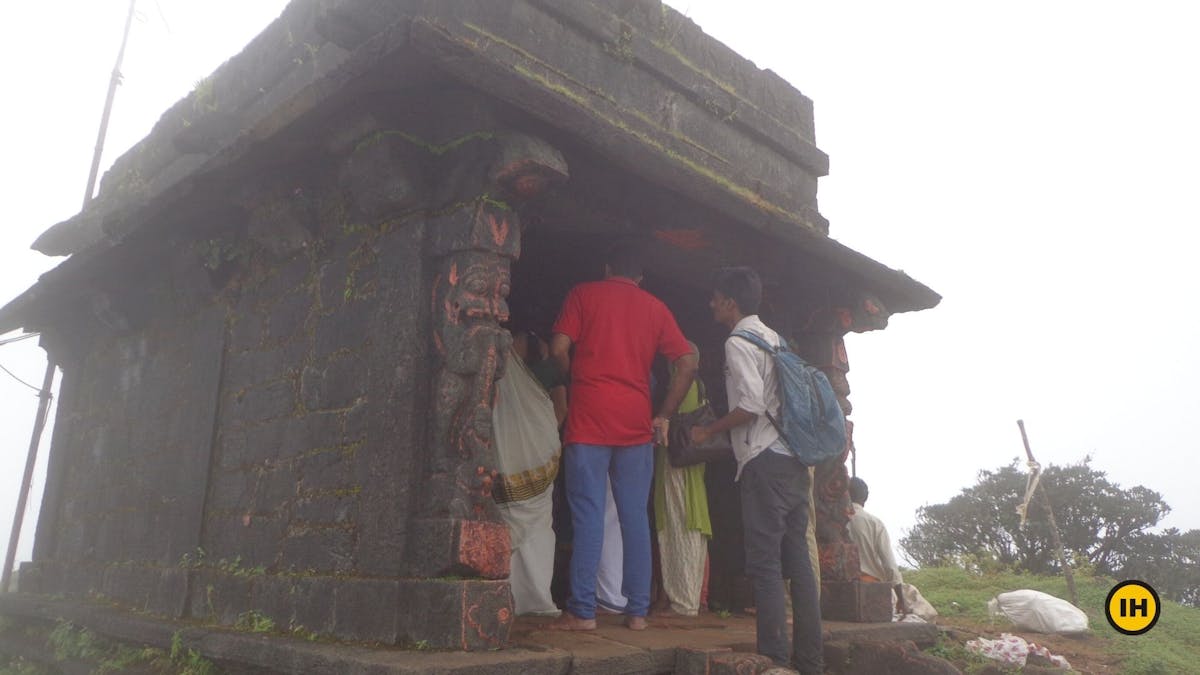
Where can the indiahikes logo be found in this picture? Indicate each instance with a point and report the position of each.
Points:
(1132, 607)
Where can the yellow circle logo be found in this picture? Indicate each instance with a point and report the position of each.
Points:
(1132, 607)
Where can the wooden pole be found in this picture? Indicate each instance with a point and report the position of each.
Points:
(39, 424)
(1055, 536)
(108, 103)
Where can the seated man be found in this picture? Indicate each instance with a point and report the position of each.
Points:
(876, 560)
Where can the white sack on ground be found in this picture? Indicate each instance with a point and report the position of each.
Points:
(1039, 612)
(917, 604)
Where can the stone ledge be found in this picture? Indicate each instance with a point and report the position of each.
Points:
(898, 657)
(468, 614)
(281, 654)
(923, 634)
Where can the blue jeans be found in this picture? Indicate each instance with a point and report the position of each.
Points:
(631, 469)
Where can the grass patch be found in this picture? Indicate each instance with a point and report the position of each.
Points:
(80, 644)
(1172, 646)
(68, 642)
(188, 661)
(254, 622)
(968, 662)
(15, 665)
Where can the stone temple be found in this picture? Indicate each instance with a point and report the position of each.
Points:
(280, 322)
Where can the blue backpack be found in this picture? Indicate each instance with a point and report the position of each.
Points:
(812, 425)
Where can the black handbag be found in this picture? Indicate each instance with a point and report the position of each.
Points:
(681, 451)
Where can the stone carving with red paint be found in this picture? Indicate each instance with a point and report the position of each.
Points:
(472, 244)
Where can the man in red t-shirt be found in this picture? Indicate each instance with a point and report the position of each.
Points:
(616, 329)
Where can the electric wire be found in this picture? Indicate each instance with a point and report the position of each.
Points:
(19, 338)
(10, 374)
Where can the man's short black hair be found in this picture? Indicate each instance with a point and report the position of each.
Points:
(624, 259)
(743, 286)
(858, 490)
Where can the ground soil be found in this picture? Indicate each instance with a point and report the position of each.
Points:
(1088, 654)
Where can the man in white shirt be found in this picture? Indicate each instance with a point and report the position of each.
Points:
(774, 485)
(875, 558)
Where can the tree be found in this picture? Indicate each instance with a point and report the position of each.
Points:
(1099, 521)
(1170, 562)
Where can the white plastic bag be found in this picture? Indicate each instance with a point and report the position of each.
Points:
(526, 434)
(917, 604)
(1008, 649)
(1039, 612)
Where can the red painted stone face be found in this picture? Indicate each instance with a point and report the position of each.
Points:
(529, 186)
(869, 314)
(478, 293)
(528, 178)
(845, 319)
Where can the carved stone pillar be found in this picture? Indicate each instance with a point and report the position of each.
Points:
(450, 159)
(843, 596)
(454, 161)
(472, 243)
(458, 530)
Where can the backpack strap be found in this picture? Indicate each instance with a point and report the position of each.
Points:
(755, 340)
(762, 344)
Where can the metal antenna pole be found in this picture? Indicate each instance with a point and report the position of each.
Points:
(39, 424)
(1055, 537)
(108, 102)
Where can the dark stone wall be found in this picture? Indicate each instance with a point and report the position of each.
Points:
(252, 446)
(323, 375)
(305, 373)
(136, 442)
(129, 461)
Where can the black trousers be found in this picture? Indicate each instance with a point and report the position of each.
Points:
(774, 490)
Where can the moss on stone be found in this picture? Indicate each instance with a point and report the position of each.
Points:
(534, 59)
(741, 191)
(488, 200)
(428, 146)
(204, 96)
